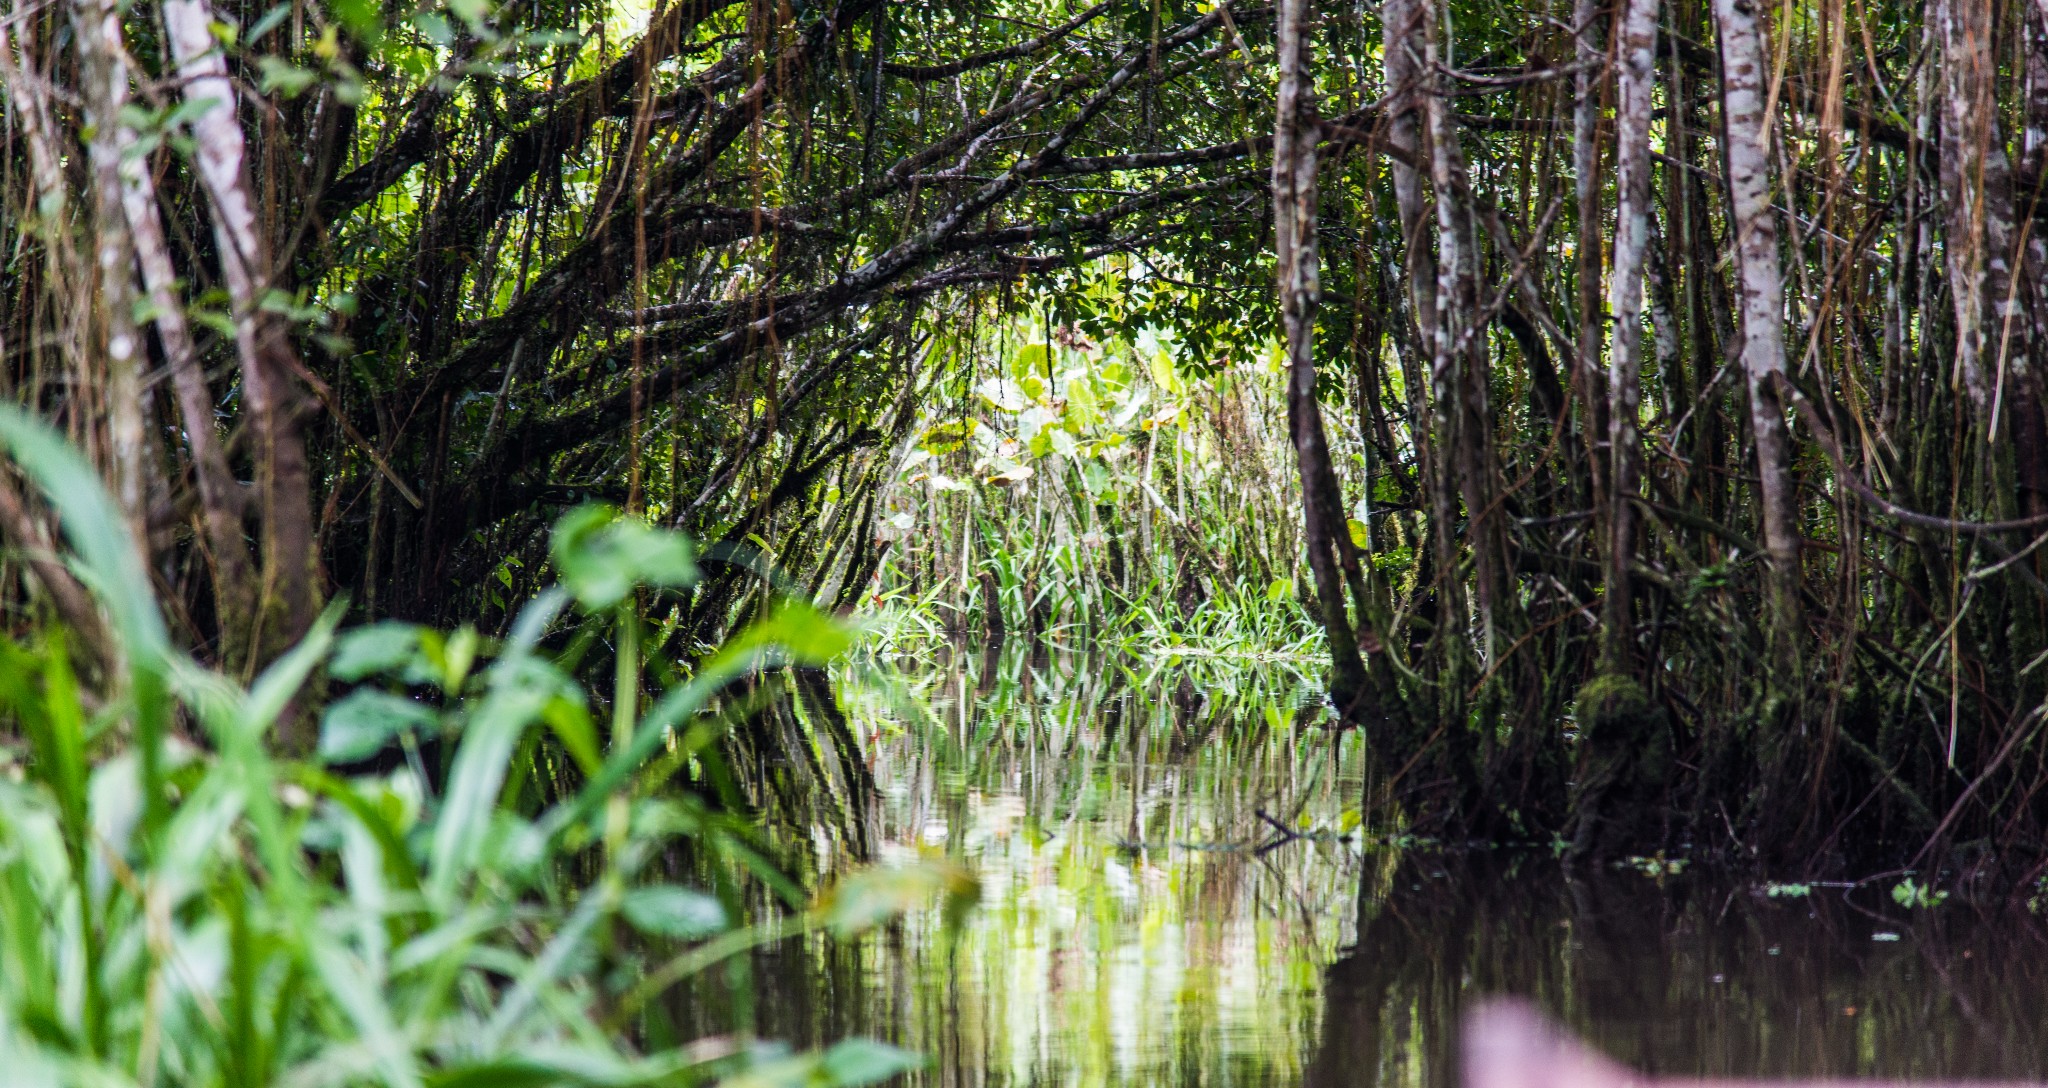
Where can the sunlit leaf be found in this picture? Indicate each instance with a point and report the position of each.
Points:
(809, 636)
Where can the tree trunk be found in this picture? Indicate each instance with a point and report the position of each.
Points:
(271, 400)
(1586, 87)
(1963, 28)
(2030, 316)
(1406, 24)
(1294, 239)
(1625, 298)
(1762, 306)
(117, 340)
(1623, 744)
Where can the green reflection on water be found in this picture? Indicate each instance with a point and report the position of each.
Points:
(1131, 930)
(1141, 926)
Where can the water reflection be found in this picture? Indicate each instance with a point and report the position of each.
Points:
(1143, 924)
(1693, 977)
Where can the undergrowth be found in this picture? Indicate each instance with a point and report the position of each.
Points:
(1110, 493)
(184, 903)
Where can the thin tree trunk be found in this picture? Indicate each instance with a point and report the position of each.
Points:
(1586, 86)
(1459, 371)
(1623, 746)
(1963, 28)
(1406, 25)
(1762, 307)
(119, 343)
(220, 494)
(1638, 48)
(2016, 260)
(1294, 221)
(2030, 416)
(290, 561)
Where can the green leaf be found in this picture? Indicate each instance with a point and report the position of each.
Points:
(669, 910)
(570, 718)
(363, 721)
(601, 556)
(111, 564)
(270, 21)
(496, 1073)
(362, 18)
(283, 77)
(876, 895)
(810, 637)
(854, 1062)
(520, 687)
(378, 648)
(470, 11)
(272, 693)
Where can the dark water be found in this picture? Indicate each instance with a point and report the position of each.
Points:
(1144, 923)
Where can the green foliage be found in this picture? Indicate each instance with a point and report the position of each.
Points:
(1914, 895)
(1123, 490)
(214, 913)
(601, 556)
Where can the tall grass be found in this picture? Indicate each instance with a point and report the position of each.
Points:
(183, 904)
(1120, 492)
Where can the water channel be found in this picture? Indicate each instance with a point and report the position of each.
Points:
(1145, 921)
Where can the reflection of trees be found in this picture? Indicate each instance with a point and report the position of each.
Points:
(1675, 980)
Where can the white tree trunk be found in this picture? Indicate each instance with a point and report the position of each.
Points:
(1459, 371)
(1963, 28)
(1638, 48)
(103, 57)
(1762, 302)
(289, 561)
(1586, 85)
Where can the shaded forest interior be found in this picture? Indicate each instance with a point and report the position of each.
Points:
(1662, 381)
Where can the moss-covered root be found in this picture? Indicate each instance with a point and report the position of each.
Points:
(1624, 763)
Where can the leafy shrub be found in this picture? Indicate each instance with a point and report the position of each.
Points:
(212, 912)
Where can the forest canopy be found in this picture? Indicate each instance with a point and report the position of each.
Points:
(1683, 360)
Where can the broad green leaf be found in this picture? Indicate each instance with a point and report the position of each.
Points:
(809, 636)
(496, 1073)
(365, 720)
(601, 556)
(111, 565)
(363, 18)
(379, 648)
(272, 693)
(345, 981)
(668, 910)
